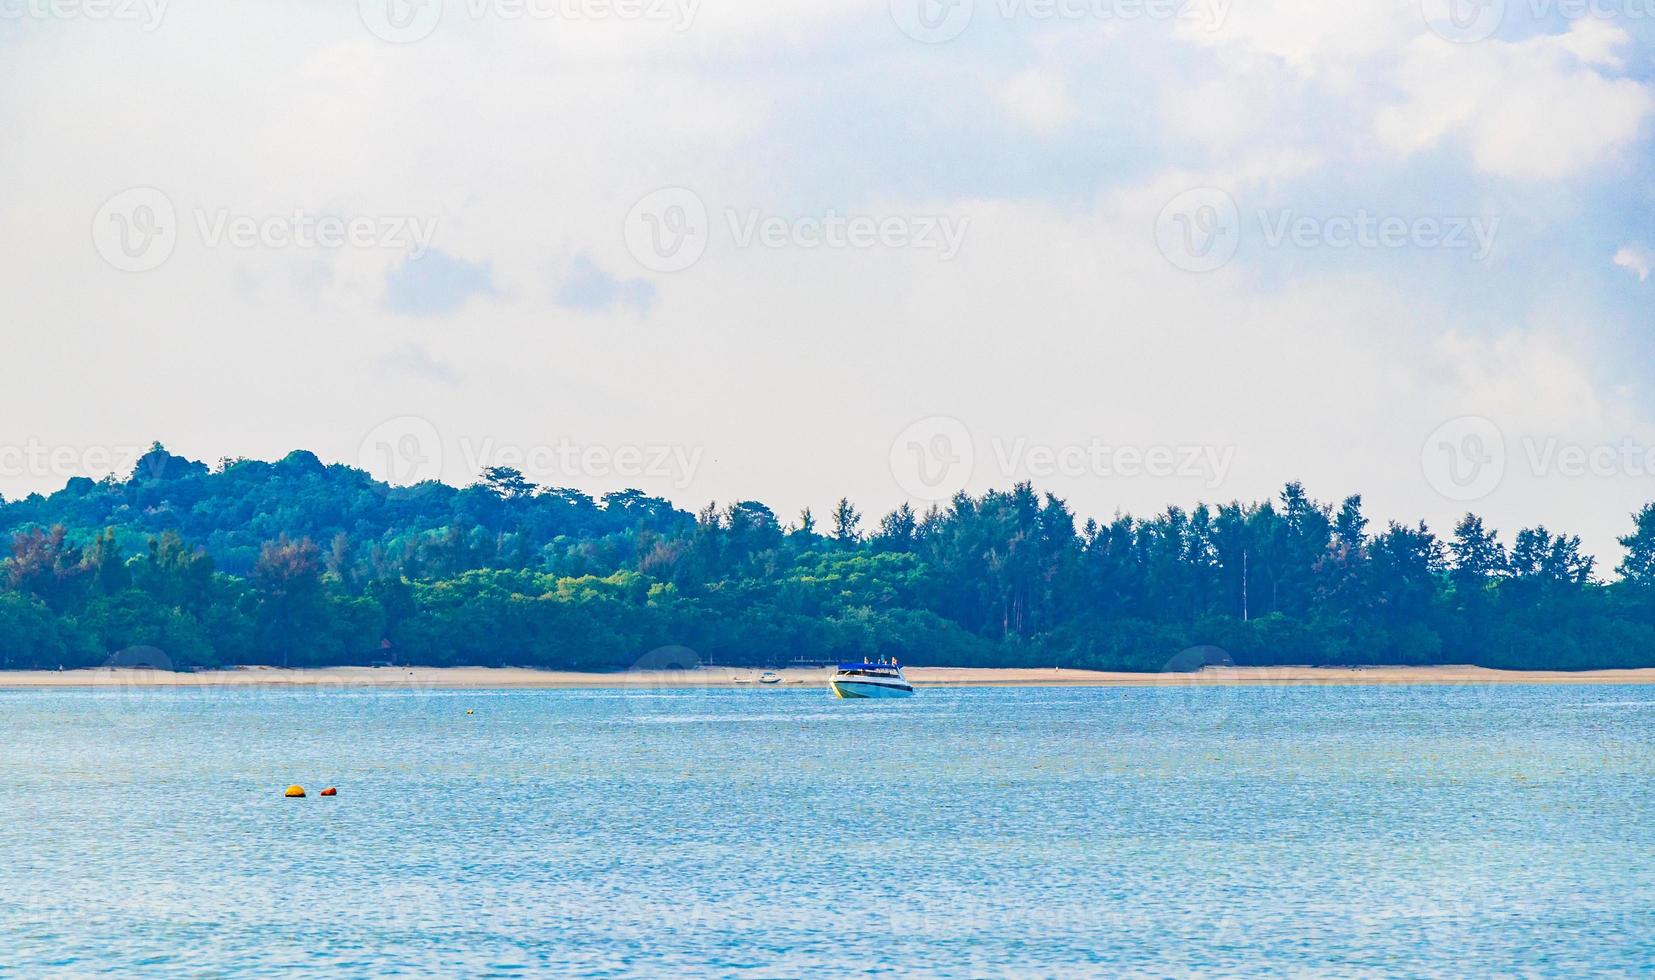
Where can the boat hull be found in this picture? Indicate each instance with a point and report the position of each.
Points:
(856, 689)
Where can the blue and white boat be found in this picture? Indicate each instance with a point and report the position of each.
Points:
(870, 680)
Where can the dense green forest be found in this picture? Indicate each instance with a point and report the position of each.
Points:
(299, 563)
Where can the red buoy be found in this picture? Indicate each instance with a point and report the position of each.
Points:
(330, 791)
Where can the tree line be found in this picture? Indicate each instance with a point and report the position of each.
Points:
(299, 563)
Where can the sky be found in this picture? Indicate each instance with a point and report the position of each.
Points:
(1139, 252)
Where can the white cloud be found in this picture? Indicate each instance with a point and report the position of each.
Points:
(1367, 78)
(1530, 380)
(1636, 259)
(1039, 99)
(1538, 109)
(1329, 40)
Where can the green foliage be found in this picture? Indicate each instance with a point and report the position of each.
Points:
(30, 635)
(300, 563)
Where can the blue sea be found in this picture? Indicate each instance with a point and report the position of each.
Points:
(1377, 831)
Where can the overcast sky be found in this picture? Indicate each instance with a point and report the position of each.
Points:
(1143, 252)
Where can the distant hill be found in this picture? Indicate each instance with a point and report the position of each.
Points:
(301, 563)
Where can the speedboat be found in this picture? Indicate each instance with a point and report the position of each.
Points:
(870, 680)
(770, 677)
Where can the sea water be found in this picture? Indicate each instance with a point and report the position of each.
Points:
(1429, 831)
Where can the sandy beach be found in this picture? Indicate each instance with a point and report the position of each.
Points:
(485, 678)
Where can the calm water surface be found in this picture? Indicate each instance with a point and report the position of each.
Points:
(1431, 831)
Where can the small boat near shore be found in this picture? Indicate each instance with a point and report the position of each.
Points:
(870, 680)
(770, 677)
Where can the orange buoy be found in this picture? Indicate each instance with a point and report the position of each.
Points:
(295, 791)
(330, 791)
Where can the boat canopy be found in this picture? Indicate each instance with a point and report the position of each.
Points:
(873, 668)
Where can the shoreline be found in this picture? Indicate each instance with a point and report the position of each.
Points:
(523, 678)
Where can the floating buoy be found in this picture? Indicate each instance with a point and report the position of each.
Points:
(330, 791)
(469, 711)
(295, 791)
